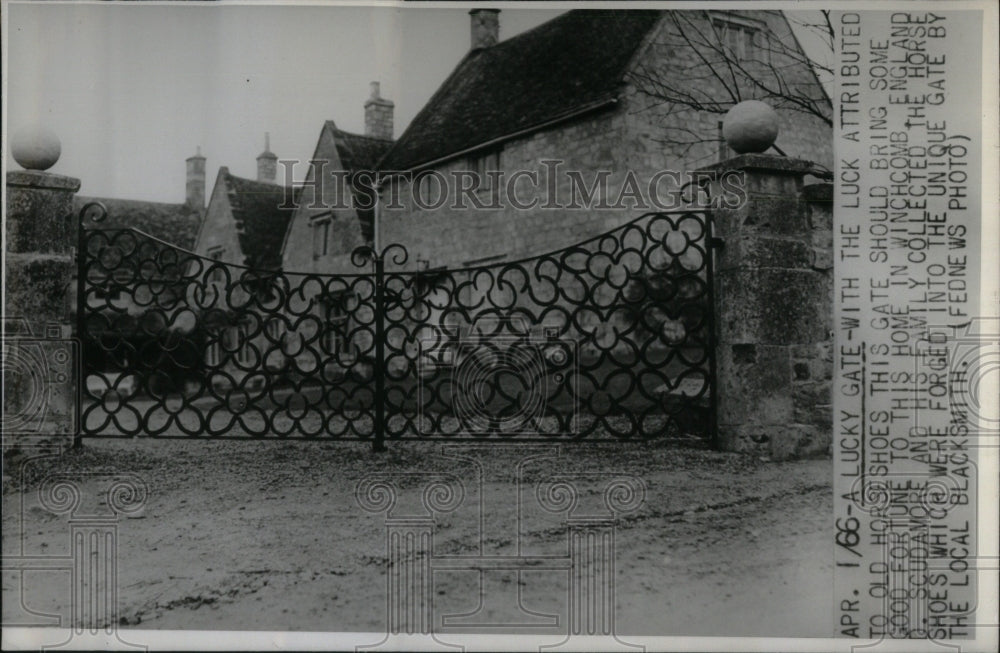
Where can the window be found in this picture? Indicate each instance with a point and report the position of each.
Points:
(334, 339)
(481, 165)
(320, 236)
(432, 189)
(737, 37)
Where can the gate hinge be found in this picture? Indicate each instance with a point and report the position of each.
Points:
(716, 243)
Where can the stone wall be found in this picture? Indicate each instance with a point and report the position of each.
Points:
(39, 351)
(217, 232)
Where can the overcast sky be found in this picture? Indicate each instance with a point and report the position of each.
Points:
(132, 89)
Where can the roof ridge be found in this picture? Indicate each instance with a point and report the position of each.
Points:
(527, 82)
(431, 101)
(256, 182)
(564, 16)
(355, 135)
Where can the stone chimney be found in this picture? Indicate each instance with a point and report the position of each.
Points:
(378, 115)
(196, 182)
(485, 27)
(267, 162)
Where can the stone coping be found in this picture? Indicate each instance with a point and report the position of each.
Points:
(821, 192)
(42, 181)
(780, 165)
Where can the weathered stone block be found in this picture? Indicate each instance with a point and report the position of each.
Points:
(799, 441)
(820, 193)
(777, 441)
(822, 259)
(785, 216)
(812, 403)
(763, 173)
(817, 360)
(820, 217)
(39, 289)
(772, 306)
(40, 212)
(746, 438)
(763, 252)
(753, 384)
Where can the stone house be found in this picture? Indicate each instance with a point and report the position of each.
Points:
(245, 220)
(238, 244)
(575, 90)
(561, 112)
(334, 212)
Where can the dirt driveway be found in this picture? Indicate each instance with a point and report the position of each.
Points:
(270, 536)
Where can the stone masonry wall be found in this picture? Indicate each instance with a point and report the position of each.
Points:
(217, 231)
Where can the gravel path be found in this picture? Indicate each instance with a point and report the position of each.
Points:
(269, 536)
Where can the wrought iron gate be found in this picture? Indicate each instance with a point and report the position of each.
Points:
(612, 337)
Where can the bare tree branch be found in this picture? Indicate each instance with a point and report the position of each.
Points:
(711, 75)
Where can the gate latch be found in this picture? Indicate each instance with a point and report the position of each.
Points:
(716, 243)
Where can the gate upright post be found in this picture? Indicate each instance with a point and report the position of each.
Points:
(378, 445)
(81, 320)
(774, 310)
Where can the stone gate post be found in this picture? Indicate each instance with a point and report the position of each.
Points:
(39, 352)
(774, 309)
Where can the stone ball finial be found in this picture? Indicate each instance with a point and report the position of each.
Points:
(35, 148)
(750, 127)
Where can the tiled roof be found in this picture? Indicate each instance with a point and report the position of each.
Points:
(260, 222)
(569, 64)
(175, 223)
(359, 153)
